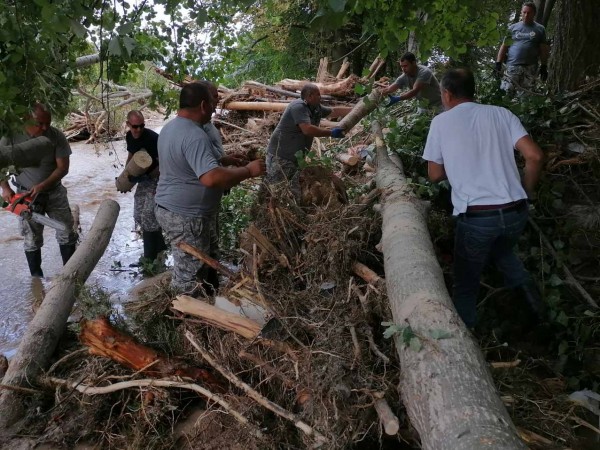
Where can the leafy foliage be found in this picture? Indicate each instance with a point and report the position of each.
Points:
(235, 215)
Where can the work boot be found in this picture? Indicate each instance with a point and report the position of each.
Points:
(531, 294)
(34, 260)
(66, 251)
(154, 243)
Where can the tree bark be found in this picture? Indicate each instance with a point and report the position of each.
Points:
(44, 331)
(137, 166)
(446, 386)
(575, 53)
(26, 154)
(88, 60)
(255, 106)
(360, 110)
(339, 88)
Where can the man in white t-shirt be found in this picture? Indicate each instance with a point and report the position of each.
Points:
(472, 145)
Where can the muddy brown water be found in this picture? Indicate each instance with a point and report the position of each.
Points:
(91, 180)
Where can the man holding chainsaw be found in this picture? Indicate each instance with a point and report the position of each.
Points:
(43, 184)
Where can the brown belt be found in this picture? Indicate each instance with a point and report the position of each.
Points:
(505, 207)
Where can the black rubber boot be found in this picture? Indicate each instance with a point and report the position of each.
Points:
(66, 251)
(154, 243)
(34, 260)
(531, 294)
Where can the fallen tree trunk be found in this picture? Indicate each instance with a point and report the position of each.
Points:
(44, 331)
(255, 106)
(137, 166)
(360, 110)
(26, 154)
(446, 385)
(339, 88)
(103, 339)
(263, 87)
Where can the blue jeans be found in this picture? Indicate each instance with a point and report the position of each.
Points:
(479, 239)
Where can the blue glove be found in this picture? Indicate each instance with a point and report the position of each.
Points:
(393, 100)
(337, 133)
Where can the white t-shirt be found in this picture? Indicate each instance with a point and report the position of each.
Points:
(475, 143)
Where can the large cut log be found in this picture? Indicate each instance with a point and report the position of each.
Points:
(137, 166)
(26, 154)
(339, 88)
(103, 339)
(361, 109)
(46, 328)
(445, 385)
(263, 87)
(255, 106)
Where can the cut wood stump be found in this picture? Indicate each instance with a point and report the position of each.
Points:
(136, 167)
(103, 339)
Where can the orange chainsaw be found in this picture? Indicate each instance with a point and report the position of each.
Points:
(23, 206)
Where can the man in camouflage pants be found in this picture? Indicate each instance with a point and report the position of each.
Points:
(190, 187)
(43, 182)
(140, 138)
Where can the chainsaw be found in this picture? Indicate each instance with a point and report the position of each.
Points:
(23, 206)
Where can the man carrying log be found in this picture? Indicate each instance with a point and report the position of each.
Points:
(420, 81)
(191, 184)
(294, 134)
(140, 138)
(472, 145)
(43, 183)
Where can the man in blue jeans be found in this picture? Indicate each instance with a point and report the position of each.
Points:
(472, 145)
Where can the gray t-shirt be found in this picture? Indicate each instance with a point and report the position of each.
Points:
(431, 91)
(288, 139)
(526, 41)
(215, 138)
(185, 154)
(30, 176)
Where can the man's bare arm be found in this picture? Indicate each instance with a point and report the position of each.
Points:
(436, 172)
(314, 131)
(62, 168)
(534, 159)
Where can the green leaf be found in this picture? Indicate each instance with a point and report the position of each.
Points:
(555, 280)
(392, 329)
(125, 28)
(337, 5)
(415, 344)
(562, 319)
(440, 334)
(78, 29)
(130, 44)
(563, 347)
(407, 335)
(114, 47)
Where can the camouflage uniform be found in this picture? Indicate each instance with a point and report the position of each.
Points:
(143, 205)
(280, 170)
(54, 204)
(519, 78)
(199, 232)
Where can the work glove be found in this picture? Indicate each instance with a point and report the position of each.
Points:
(543, 72)
(393, 100)
(498, 70)
(337, 133)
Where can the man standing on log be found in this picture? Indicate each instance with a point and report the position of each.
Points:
(420, 81)
(43, 183)
(191, 184)
(294, 135)
(529, 44)
(140, 138)
(472, 145)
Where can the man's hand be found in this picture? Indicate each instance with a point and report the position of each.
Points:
(7, 193)
(337, 133)
(393, 99)
(498, 70)
(256, 167)
(543, 72)
(37, 189)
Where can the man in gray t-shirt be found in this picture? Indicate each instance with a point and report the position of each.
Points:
(294, 135)
(420, 82)
(528, 44)
(190, 187)
(43, 182)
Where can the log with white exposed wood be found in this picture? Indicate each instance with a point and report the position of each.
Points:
(368, 275)
(361, 109)
(263, 87)
(322, 72)
(218, 317)
(343, 69)
(446, 385)
(339, 88)
(348, 160)
(26, 154)
(46, 328)
(137, 166)
(388, 419)
(255, 106)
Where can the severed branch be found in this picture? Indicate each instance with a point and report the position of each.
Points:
(211, 262)
(570, 278)
(256, 396)
(95, 390)
(388, 419)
